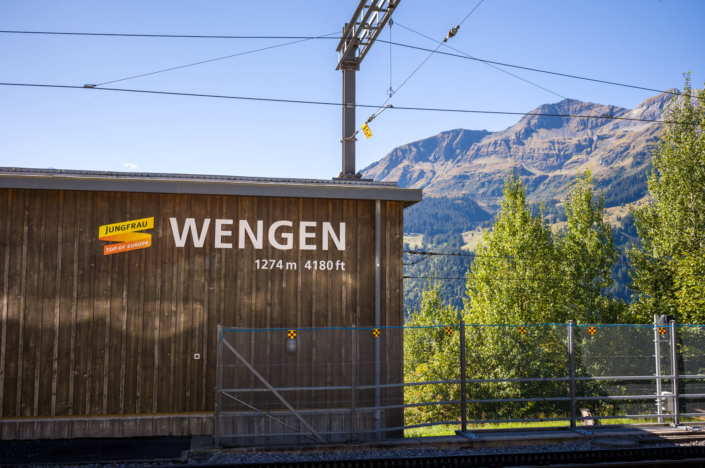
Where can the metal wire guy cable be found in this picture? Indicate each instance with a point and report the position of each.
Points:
(375, 114)
(165, 35)
(503, 71)
(216, 59)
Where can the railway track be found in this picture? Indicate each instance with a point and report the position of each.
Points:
(688, 456)
(643, 456)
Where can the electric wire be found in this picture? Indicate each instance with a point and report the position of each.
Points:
(337, 104)
(398, 44)
(566, 75)
(214, 60)
(498, 279)
(503, 71)
(475, 255)
(167, 35)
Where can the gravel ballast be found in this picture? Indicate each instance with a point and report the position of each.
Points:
(249, 458)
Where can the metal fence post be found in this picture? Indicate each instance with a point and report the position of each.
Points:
(463, 379)
(657, 350)
(218, 387)
(674, 370)
(571, 366)
(378, 317)
(353, 384)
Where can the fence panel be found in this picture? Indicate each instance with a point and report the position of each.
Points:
(527, 365)
(347, 384)
(691, 349)
(617, 369)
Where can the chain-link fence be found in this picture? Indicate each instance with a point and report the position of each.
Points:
(280, 386)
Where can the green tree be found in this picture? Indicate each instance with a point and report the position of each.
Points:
(667, 271)
(588, 254)
(515, 278)
(431, 355)
(492, 352)
(524, 275)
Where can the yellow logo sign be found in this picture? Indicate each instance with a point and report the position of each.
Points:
(125, 234)
(367, 131)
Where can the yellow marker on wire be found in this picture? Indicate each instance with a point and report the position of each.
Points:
(366, 130)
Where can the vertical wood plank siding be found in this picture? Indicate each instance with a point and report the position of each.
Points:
(87, 334)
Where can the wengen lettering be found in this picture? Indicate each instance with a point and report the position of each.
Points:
(307, 235)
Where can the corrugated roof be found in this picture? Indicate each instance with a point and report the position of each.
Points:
(199, 184)
(195, 177)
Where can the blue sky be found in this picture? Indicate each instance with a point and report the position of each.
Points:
(643, 42)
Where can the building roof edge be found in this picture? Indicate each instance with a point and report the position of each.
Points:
(61, 179)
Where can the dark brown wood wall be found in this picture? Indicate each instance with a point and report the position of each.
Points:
(84, 333)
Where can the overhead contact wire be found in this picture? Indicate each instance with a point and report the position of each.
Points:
(537, 70)
(337, 104)
(566, 75)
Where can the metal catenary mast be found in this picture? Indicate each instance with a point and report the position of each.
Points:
(359, 34)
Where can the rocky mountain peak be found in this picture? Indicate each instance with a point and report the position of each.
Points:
(547, 148)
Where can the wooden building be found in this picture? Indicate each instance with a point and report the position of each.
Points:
(112, 283)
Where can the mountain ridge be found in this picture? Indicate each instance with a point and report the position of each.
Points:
(547, 151)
